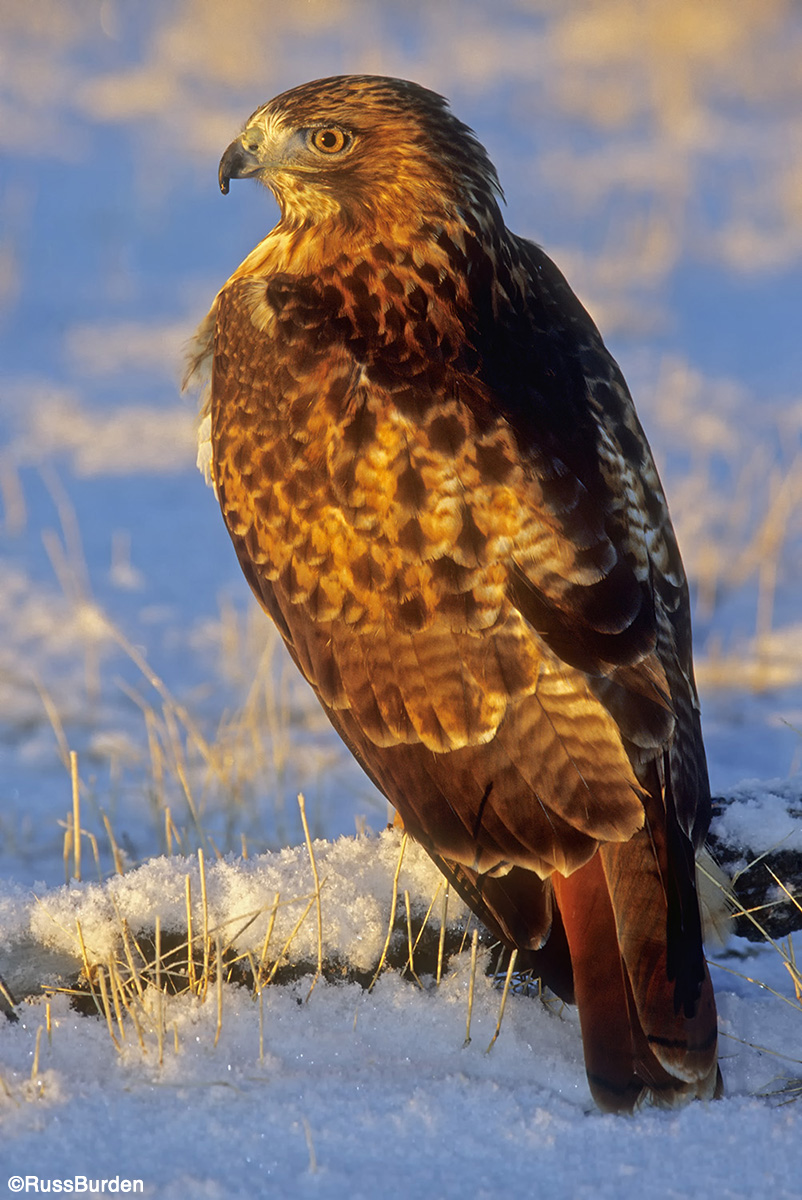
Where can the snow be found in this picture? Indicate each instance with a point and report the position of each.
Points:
(762, 816)
(356, 877)
(346, 1090)
(656, 157)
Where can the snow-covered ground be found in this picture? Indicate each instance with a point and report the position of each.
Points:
(655, 151)
(345, 1092)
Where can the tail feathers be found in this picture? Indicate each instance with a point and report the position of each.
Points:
(643, 1043)
(660, 942)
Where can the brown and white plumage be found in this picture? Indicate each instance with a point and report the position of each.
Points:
(437, 486)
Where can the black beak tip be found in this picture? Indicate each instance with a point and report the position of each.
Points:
(234, 164)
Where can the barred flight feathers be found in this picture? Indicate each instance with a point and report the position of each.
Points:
(436, 484)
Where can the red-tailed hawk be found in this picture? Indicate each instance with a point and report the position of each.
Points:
(436, 485)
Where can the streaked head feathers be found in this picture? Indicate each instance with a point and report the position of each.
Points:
(360, 145)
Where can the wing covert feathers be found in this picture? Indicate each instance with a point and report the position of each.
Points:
(437, 486)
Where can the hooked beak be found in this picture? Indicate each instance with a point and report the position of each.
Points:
(238, 162)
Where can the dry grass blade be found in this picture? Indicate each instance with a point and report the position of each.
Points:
(791, 1090)
(290, 940)
(159, 993)
(763, 554)
(205, 910)
(117, 996)
(764, 987)
(171, 705)
(391, 923)
(171, 834)
(76, 815)
(465, 932)
(763, 1049)
(35, 1064)
(180, 767)
(219, 982)
(442, 940)
(410, 961)
(129, 956)
(95, 854)
(787, 956)
(190, 939)
(54, 718)
(88, 970)
(158, 953)
(104, 994)
(154, 748)
(119, 862)
(6, 994)
(427, 915)
(502, 1006)
(235, 937)
(67, 852)
(474, 942)
(266, 943)
(69, 566)
(319, 972)
(69, 561)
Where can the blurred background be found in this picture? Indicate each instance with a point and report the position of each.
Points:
(653, 147)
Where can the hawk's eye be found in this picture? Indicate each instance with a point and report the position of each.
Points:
(329, 140)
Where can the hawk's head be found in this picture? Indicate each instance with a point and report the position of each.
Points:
(354, 146)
